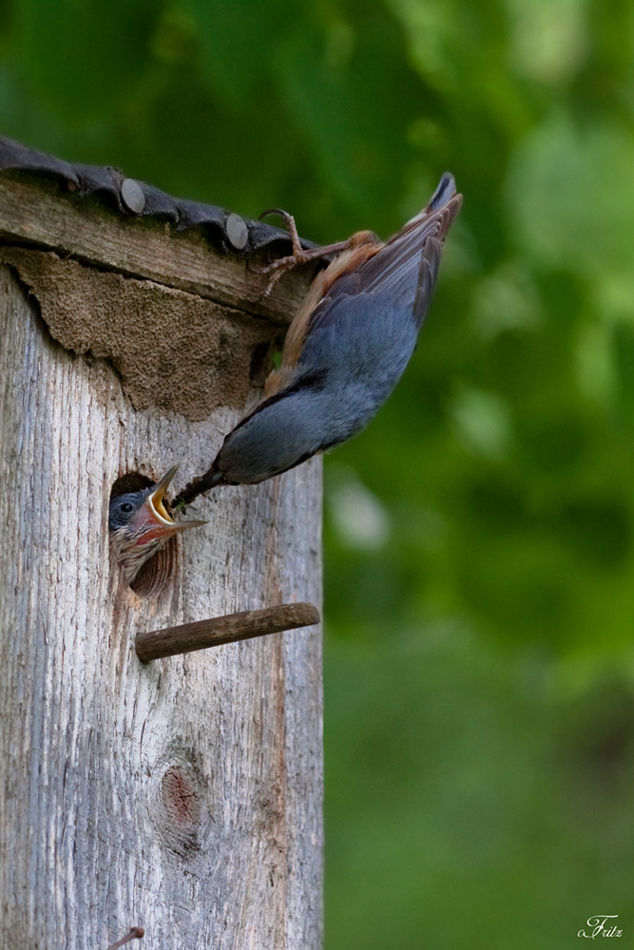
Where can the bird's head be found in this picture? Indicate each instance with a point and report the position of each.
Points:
(139, 524)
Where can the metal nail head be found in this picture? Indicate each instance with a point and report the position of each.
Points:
(132, 195)
(237, 231)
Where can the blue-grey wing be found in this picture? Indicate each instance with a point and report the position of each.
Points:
(406, 267)
(365, 341)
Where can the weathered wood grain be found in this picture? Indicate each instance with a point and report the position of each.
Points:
(182, 796)
(244, 625)
(45, 214)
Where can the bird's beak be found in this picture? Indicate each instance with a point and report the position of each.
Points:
(152, 517)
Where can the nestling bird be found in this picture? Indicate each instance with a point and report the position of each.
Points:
(345, 349)
(139, 524)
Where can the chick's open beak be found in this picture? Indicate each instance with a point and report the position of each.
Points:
(153, 521)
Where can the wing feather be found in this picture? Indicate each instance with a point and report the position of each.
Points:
(407, 266)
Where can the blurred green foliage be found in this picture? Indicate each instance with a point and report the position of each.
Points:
(480, 556)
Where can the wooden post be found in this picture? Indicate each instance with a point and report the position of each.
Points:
(184, 795)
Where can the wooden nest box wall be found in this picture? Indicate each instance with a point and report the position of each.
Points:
(181, 795)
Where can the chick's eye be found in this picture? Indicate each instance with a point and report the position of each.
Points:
(126, 506)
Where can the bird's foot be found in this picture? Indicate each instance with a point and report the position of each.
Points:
(299, 256)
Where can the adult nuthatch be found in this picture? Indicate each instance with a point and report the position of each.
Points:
(139, 524)
(345, 349)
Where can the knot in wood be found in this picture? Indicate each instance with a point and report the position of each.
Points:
(180, 798)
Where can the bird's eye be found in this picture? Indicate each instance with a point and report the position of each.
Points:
(126, 506)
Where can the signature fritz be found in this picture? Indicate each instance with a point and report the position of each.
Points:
(602, 925)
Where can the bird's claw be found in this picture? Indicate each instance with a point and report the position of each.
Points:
(299, 256)
(289, 221)
(276, 268)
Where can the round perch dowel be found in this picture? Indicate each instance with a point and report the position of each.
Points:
(228, 629)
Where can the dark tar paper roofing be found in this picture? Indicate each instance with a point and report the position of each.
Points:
(227, 231)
